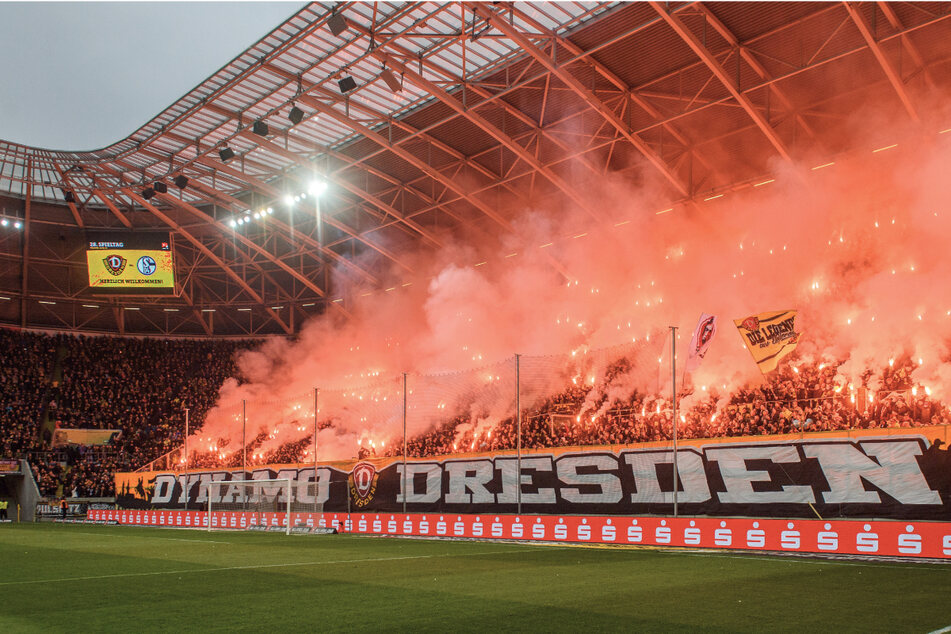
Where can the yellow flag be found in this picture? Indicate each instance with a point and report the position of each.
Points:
(769, 336)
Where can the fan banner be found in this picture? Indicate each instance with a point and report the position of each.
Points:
(841, 537)
(872, 475)
(700, 341)
(769, 337)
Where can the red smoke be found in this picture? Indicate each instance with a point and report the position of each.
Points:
(858, 247)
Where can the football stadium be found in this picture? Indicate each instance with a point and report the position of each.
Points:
(494, 315)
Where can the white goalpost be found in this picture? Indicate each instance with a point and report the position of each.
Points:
(254, 497)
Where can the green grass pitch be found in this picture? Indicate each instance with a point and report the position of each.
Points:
(110, 578)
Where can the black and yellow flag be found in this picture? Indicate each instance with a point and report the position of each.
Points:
(769, 337)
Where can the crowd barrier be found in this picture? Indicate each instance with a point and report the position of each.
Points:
(842, 537)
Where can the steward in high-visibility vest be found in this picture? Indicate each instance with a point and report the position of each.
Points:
(3, 509)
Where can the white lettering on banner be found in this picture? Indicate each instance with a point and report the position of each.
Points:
(459, 528)
(164, 488)
(509, 495)
(408, 526)
(608, 532)
(517, 529)
(909, 544)
(946, 545)
(662, 533)
(635, 534)
(723, 536)
(477, 527)
(790, 539)
(377, 525)
(362, 525)
(313, 492)
(467, 480)
(692, 535)
(390, 526)
(896, 473)
(693, 478)
(756, 537)
(609, 483)
(538, 529)
(424, 526)
(496, 528)
(866, 542)
(441, 526)
(561, 531)
(738, 478)
(827, 539)
(584, 531)
(433, 490)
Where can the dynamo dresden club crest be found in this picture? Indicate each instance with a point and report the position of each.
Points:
(363, 480)
(115, 264)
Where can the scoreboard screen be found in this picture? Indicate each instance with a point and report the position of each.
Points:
(127, 263)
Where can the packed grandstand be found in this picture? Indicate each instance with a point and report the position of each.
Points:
(141, 386)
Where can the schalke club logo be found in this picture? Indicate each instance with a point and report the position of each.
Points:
(146, 265)
(363, 480)
(115, 264)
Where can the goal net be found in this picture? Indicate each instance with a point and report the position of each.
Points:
(243, 504)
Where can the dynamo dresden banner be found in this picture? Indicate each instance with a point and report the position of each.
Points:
(876, 475)
(769, 337)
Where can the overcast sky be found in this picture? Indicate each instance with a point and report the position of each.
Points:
(83, 75)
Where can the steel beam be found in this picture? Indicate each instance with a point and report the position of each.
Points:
(711, 62)
(893, 77)
(583, 92)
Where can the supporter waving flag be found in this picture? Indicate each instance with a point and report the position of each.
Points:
(702, 337)
(769, 337)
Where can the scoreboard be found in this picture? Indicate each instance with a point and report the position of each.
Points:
(130, 263)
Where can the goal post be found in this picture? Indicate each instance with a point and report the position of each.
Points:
(274, 497)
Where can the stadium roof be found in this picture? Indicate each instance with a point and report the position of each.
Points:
(454, 105)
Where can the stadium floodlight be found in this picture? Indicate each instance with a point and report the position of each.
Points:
(337, 23)
(296, 115)
(232, 223)
(270, 210)
(69, 197)
(226, 154)
(288, 200)
(346, 84)
(241, 504)
(390, 80)
(17, 225)
(160, 187)
(148, 193)
(260, 127)
(318, 187)
(181, 181)
(4, 222)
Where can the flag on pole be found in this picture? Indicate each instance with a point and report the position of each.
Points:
(769, 337)
(700, 341)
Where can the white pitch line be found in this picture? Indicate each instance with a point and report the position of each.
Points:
(943, 630)
(174, 539)
(252, 567)
(802, 560)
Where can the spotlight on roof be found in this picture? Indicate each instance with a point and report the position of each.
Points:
(232, 223)
(296, 115)
(181, 181)
(17, 224)
(160, 187)
(288, 200)
(147, 193)
(318, 187)
(346, 84)
(270, 210)
(4, 222)
(259, 128)
(391, 81)
(337, 24)
(69, 197)
(226, 154)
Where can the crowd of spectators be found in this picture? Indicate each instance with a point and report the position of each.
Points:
(138, 386)
(141, 387)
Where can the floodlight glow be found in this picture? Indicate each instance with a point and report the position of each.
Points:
(270, 210)
(233, 223)
(318, 187)
(4, 222)
(17, 224)
(288, 200)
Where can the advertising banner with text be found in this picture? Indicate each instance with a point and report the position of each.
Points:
(881, 475)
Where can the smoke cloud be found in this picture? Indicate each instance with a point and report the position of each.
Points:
(857, 244)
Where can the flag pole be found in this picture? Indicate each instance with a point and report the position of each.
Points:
(673, 388)
(405, 491)
(186, 459)
(316, 394)
(518, 442)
